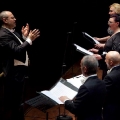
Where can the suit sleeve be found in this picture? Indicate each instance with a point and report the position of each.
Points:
(109, 83)
(77, 104)
(11, 45)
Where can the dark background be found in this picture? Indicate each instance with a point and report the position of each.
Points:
(55, 19)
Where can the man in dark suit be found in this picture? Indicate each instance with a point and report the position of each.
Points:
(14, 57)
(111, 109)
(88, 103)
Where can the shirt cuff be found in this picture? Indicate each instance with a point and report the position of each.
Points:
(23, 37)
(29, 41)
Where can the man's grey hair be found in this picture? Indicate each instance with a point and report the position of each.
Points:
(91, 63)
(3, 14)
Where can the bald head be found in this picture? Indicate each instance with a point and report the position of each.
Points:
(4, 14)
(7, 19)
(112, 59)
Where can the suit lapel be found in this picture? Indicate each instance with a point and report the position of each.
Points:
(12, 35)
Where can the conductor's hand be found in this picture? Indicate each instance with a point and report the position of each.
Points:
(25, 30)
(33, 34)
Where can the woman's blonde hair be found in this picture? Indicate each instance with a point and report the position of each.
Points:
(116, 6)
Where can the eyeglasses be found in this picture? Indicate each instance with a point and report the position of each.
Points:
(110, 22)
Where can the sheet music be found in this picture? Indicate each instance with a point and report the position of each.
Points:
(59, 90)
(83, 50)
(52, 96)
(77, 81)
(97, 42)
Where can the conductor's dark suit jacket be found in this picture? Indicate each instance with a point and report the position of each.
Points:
(111, 110)
(89, 100)
(10, 49)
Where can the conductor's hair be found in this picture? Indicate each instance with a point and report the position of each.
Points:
(3, 14)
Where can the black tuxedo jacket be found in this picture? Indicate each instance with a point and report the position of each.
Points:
(10, 49)
(89, 100)
(111, 107)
